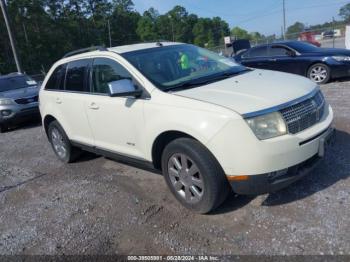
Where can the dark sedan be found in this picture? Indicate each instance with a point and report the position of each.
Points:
(318, 64)
(18, 99)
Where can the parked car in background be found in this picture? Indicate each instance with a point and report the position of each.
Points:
(328, 34)
(204, 121)
(18, 99)
(318, 64)
(309, 36)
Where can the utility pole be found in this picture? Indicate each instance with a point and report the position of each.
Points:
(12, 40)
(284, 19)
(333, 32)
(172, 26)
(109, 33)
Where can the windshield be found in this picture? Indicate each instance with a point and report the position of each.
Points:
(16, 82)
(183, 66)
(303, 47)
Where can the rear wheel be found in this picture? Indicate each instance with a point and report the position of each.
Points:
(61, 144)
(319, 73)
(193, 175)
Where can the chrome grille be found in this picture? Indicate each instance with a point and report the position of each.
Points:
(27, 100)
(305, 114)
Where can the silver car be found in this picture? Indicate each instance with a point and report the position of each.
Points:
(18, 99)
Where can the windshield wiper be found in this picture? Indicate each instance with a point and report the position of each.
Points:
(196, 82)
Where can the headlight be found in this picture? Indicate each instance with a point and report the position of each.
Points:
(6, 101)
(268, 126)
(341, 58)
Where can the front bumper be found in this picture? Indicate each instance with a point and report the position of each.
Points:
(340, 70)
(274, 181)
(18, 113)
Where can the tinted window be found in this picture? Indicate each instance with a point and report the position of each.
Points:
(303, 47)
(15, 82)
(56, 81)
(257, 52)
(76, 76)
(178, 66)
(104, 73)
(278, 51)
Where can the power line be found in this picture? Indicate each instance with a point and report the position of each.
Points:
(250, 14)
(284, 19)
(290, 11)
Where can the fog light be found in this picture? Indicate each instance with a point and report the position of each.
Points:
(6, 112)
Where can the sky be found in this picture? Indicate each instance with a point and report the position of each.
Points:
(264, 16)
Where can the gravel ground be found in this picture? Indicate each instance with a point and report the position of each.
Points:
(97, 206)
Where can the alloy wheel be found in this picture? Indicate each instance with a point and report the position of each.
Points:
(58, 143)
(186, 178)
(318, 74)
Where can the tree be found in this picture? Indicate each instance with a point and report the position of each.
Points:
(240, 33)
(294, 30)
(124, 22)
(201, 32)
(146, 26)
(344, 12)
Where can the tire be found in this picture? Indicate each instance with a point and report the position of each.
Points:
(319, 73)
(3, 128)
(61, 145)
(202, 186)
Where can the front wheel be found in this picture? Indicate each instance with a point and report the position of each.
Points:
(194, 176)
(3, 128)
(319, 73)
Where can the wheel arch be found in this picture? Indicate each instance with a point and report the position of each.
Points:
(48, 119)
(161, 141)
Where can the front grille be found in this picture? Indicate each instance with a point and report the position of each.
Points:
(27, 100)
(305, 114)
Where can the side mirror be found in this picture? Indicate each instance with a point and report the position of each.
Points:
(123, 87)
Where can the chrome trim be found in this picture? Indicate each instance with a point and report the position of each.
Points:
(281, 106)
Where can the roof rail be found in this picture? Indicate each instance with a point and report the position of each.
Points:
(84, 50)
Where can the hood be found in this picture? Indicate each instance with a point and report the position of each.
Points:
(252, 91)
(20, 93)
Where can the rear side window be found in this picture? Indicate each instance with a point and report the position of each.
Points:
(77, 75)
(257, 52)
(56, 80)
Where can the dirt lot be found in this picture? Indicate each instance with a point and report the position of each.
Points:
(98, 206)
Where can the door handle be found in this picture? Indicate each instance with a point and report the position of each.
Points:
(58, 101)
(272, 59)
(94, 106)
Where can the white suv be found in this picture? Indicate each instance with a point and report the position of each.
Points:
(208, 124)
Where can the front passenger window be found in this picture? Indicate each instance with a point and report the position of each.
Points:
(260, 51)
(278, 51)
(106, 73)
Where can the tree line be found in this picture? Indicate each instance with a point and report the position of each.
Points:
(47, 29)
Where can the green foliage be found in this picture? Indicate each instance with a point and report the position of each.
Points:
(47, 29)
(344, 12)
(294, 30)
(239, 33)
